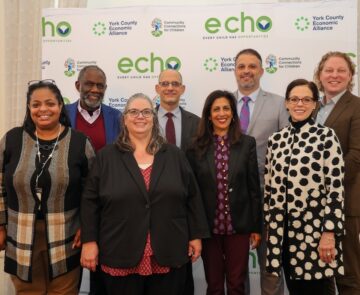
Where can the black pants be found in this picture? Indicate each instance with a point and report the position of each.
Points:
(189, 283)
(97, 286)
(172, 283)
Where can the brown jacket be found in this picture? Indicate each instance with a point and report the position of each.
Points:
(345, 120)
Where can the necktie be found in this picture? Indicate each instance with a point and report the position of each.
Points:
(170, 129)
(245, 115)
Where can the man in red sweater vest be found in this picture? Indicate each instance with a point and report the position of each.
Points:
(98, 121)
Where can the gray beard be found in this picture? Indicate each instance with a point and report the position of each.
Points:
(91, 104)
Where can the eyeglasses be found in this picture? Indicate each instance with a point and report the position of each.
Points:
(305, 100)
(174, 84)
(45, 81)
(134, 113)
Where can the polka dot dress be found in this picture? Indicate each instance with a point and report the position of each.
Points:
(304, 173)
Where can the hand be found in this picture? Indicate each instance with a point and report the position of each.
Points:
(77, 240)
(89, 255)
(194, 249)
(255, 239)
(2, 238)
(326, 247)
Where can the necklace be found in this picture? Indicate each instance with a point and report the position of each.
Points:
(38, 189)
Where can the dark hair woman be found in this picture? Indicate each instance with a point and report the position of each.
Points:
(43, 165)
(304, 197)
(225, 165)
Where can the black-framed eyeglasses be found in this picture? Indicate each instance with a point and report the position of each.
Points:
(45, 81)
(174, 84)
(134, 113)
(305, 100)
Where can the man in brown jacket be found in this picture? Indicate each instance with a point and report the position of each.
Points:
(340, 110)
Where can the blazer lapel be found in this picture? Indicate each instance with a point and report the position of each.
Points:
(233, 160)
(157, 169)
(185, 125)
(338, 109)
(211, 161)
(134, 170)
(257, 110)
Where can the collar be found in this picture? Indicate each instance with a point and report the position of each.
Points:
(333, 100)
(85, 112)
(219, 138)
(176, 112)
(252, 95)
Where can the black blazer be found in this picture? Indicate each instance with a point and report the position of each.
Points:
(244, 185)
(117, 211)
(189, 126)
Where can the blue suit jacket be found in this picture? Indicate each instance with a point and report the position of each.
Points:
(111, 120)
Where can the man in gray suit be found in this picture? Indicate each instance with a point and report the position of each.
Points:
(261, 114)
(183, 125)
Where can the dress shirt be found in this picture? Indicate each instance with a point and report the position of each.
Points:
(251, 102)
(177, 122)
(85, 114)
(325, 109)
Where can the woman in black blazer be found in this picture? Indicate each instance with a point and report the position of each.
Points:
(141, 212)
(225, 165)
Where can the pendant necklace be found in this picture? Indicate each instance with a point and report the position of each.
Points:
(38, 189)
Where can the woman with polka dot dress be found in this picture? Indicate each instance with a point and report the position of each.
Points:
(304, 198)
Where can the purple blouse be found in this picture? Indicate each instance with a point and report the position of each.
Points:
(222, 222)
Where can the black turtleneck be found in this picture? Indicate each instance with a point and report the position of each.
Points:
(297, 125)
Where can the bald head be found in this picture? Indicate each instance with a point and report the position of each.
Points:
(168, 72)
(170, 88)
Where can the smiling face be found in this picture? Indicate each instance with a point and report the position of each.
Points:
(301, 110)
(248, 71)
(138, 125)
(44, 109)
(91, 87)
(170, 88)
(221, 115)
(335, 76)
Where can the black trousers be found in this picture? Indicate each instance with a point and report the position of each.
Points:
(189, 283)
(97, 286)
(172, 283)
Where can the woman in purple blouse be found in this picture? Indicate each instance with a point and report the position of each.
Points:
(225, 165)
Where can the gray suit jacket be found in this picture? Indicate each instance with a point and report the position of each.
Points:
(269, 116)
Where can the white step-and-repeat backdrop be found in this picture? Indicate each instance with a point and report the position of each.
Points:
(133, 44)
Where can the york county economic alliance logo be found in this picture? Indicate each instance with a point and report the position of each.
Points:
(211, 64)
(69, 65)
(271, 63)
(99, 29)
(219, 64)
(156, 25)
(302, 23)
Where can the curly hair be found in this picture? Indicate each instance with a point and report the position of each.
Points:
(28, 123)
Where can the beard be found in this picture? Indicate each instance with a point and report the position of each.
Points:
(91, 103)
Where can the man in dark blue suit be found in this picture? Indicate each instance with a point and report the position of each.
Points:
(101, 123)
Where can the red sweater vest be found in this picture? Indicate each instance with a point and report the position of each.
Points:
(95, 131)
